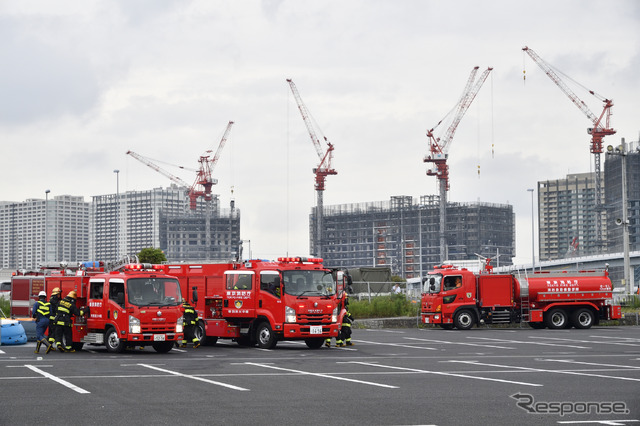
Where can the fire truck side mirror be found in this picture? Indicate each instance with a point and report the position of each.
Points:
(194, 296)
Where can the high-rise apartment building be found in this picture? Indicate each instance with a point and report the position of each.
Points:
(567, 217)
(44, 230)
(613, 198)
(126, 223)
(404, 233)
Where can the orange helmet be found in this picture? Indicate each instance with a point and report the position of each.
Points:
(56, 291)
(72, 294)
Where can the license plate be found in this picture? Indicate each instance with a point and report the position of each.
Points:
(158, 337)
(316, 329)
(426, 320)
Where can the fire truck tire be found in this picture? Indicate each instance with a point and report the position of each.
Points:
(557, 319)
(464, 319)
(582, 318)
(113, 343)
(201, 334)
(163, 347)
(314, 343)
(265, 337)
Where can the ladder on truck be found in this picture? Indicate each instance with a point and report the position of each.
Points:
(525, 313)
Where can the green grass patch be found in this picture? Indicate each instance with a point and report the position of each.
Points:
(5, 306)
(392, 306)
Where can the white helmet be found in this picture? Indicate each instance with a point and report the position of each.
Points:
(42, 293)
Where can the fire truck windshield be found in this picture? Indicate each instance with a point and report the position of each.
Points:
(309, 283)
(154, 291)
(432, 283)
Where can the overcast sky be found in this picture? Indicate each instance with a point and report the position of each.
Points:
(82, 82)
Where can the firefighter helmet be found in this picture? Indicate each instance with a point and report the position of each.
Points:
(56, 291)
(42, 294)
(72, 294)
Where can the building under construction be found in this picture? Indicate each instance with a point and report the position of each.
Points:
(404, 233)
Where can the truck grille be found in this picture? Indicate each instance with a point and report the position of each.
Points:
(157, 328)
(314, 319)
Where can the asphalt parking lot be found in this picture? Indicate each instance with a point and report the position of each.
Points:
(390, 377)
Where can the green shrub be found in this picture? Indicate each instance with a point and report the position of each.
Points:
(395, 305)
(5, 306)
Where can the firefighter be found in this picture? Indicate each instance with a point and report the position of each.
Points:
(54, 301)
(344, 336)
(190, 321)
(41, 314)
(67, 309)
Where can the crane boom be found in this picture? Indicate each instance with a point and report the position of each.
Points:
(223, 141)
(157, 168)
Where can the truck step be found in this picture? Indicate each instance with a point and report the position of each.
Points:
(500, 317)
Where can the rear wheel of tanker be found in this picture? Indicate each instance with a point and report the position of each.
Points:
(163, 347)
(557, 319)
(582, 318)
(265, 337)
(315, 342)
(113, 343)
(464, 320)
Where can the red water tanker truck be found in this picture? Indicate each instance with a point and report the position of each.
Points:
(460, 298)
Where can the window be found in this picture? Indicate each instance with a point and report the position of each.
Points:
(452, 282)
(239, 281)
(96, 289)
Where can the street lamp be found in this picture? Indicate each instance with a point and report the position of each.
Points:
(46, 217)
(533, 250)
(621, 150)
(117, 172)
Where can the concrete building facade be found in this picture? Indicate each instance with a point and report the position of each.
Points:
(567, 217)
(403, 233)
(44, 230)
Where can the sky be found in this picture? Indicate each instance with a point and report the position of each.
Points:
(83, 82)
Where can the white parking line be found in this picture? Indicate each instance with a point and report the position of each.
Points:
(327, 376)
(175, 373)
(529, 343)
(584, 341)
(397, 345)
(618, 422)
(458, 343)
(570, 361)
(57, 379)
(542, 370)
(440, 373)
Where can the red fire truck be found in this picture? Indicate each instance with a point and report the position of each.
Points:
(459, 298)
(261, 302)
(135, 305)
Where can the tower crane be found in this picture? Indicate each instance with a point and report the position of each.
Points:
(439, 148)
(323, 170)
(599, 130)
(203, 174)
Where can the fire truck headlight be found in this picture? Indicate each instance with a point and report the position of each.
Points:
(289, 314)
(134, 325)
(334, 315)
(179, 325)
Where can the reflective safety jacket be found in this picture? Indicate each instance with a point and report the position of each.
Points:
(41, 309)
(66, 310)
(54, 301)
(190, 315)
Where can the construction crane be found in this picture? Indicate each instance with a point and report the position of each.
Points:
(203, 174)
(323, 170)
(439, 148)
(597, 132)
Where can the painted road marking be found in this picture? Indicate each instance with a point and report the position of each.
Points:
(440, 373)
(175, 373)
(584, 341)
(57, 379)
(529, 343)
(327, 376)
(458, 343)
(542, 370)
(631, 367)
(396, 345)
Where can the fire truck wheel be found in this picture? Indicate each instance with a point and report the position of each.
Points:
(582, 318)
(557, 319)
(201, 334)
(464, 320)
(113, 342)
(314, 343)
(265, 337)
(163, 347)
